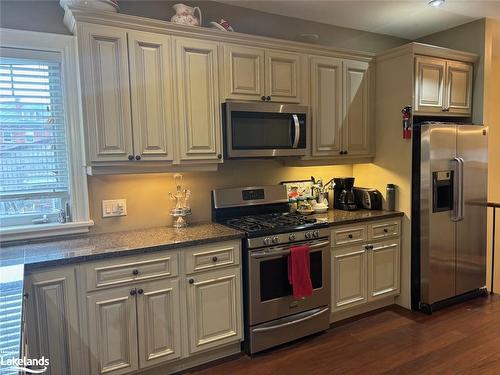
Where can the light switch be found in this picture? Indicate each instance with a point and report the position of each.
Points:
(114, 207)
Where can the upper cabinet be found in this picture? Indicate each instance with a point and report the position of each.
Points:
(198, 100)
(340, 108)
(131, 114)
(260, 74)
(442, 86)
(105, 92)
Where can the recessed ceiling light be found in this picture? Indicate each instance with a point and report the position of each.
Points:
(436, 3)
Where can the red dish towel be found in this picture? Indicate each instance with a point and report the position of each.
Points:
(299, 272)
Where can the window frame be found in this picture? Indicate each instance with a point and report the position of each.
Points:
(65, 46)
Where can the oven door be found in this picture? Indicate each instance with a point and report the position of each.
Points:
(265, 130)
(270, 293)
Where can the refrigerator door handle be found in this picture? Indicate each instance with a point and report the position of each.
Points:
(458, 190)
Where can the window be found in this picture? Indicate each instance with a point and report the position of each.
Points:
(43, 184)
(34, 161)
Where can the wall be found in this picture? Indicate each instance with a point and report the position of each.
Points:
(147, 195)
(470, 38)
(492, 119)
(47, 16)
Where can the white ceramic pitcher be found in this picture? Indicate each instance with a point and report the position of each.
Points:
(184, 14)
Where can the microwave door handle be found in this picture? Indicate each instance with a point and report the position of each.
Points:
(296, 137)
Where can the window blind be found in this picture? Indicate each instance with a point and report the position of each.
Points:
(33, 149)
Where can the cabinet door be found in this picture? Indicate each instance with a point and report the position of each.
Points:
(52, 319)
(349, 283)
(283, 76)
(383, 269)
(112, 331)
(326, 105)
(243, 72)
(356, 128)
(151, 94)
(214, 308)
(458, 87)
(429, 84)
(158, 319)
(198, 100)
(105, 92)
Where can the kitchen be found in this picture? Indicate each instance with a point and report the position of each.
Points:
(353, 100)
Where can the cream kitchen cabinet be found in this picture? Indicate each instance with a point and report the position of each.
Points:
(442, 86)
(131, 113)
(340, 108)
(365, 263)
(214, 308)
(260, 74)
(52, 321)
(199, 117)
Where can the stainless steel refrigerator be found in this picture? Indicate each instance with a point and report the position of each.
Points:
(449, 217)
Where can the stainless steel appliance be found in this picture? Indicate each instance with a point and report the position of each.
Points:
(367, 198)
(265, 129)
(272, 315)
(448, 213)
(343, 196)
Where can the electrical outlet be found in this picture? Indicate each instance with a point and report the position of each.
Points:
(114, 207)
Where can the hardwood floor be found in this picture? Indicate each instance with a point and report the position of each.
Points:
(462, 339)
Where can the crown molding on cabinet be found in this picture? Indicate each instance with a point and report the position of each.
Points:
(75, 14)
(428, 50)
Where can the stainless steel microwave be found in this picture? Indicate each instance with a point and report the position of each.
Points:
(265, 129)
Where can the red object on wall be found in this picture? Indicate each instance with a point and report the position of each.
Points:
(406, 111)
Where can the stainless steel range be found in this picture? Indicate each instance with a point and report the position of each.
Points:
(272, 315)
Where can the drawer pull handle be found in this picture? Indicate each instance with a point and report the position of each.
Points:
(135, 272)
(350, 236)
(386, 230)
(214, 259)
(133, 292)
(191, 281)
(140, 291)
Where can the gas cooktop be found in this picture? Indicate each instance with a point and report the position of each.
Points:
(261, 225)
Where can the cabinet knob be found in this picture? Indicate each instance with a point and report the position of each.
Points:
(133, 292)
(341, 152)
(25, 295)
(446, 110)
(350, 236)
(386, 230)
(137, 157)
(263, 97)
(268, 98)
(140, 291)
(219, 156)
(135, 272)
(191, 281)
(131, 157)
(214, 259)
(346, 152)
(367, 247)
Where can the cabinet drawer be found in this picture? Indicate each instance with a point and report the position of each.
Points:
(112, 272)
(207, 257)
(348, 235)
(383, 230)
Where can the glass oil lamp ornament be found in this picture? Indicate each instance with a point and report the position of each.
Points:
(181, 199)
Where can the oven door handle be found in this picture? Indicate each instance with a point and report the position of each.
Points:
(296, 135)
(268, 254)
(291, 323)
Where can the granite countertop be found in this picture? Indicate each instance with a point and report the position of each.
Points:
(339, 217)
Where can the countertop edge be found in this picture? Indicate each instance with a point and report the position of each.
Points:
(365, 219)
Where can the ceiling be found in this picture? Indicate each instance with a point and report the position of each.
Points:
(409, 19)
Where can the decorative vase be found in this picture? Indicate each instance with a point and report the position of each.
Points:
(184, 15)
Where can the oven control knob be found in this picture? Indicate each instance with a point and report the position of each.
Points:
(308, 235)
(291, 237)
(276, 239)
(316, 233)
(267, 241)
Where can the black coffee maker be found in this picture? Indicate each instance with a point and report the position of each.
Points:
(343, 196)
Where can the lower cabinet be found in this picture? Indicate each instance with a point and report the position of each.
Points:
(157, 315)
(213, 303)
(368, 271)
(51, 316)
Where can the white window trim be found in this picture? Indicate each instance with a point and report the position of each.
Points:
(65, 45)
